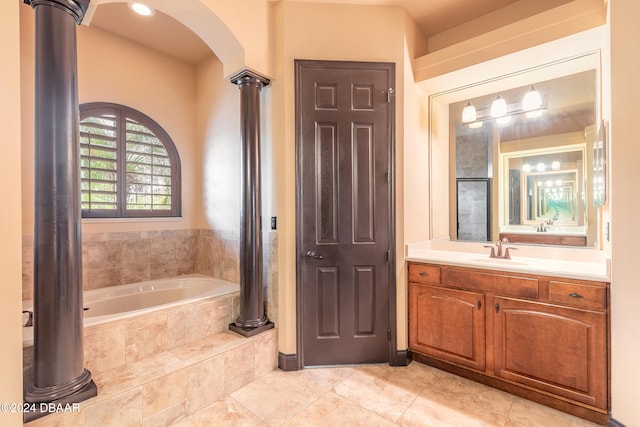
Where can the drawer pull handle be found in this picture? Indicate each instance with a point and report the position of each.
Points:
(497, 308)
(575, 295)
(423, 274)
(479, 305)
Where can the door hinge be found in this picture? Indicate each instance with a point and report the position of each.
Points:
(388, 334)
(390, 93)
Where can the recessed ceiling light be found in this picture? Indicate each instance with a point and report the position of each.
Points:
(141, 9)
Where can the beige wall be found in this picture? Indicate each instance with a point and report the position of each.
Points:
(218, 130)
(10, 252)
(113, 69)
(625, 203)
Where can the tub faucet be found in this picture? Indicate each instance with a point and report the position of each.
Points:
(497, 249)
(30, 319)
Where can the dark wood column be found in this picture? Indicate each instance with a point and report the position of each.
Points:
(58, 365)
(252, 319)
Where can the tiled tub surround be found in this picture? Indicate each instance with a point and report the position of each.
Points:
(136, 299)
(111, 259)
(159, 367)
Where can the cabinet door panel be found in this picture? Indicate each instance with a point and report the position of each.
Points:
(447, 324)
(557, 349)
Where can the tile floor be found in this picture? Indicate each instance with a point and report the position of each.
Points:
(374, 395)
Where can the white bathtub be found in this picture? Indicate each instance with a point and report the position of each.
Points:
(124, 301)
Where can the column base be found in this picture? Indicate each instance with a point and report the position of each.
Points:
(250, 331)
(64, 404)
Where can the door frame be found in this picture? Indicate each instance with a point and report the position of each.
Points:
(395, 357)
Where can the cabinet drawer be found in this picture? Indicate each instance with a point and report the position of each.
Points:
(578, 295)
(420, 273)
(502, 284)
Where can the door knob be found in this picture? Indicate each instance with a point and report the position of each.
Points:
(313, 254)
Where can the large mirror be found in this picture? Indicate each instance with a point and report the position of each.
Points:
(517, 153)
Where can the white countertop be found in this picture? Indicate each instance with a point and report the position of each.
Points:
(576, 263)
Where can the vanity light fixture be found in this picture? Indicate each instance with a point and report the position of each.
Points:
(141, 9)
(541, 167)
(531, 107)
(498, 107)
(469, 114)
(532, 100)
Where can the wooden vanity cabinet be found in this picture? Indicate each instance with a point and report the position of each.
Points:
(449, 324)
(556, 349)
(544, 338)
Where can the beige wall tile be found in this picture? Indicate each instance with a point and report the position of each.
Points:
(205, 383)
(159, 270)
(146, 340)
(164, 392)
(111, 259)
(104, 349)
(136, 257)
(186, 253)
(183, 327)
(97, 279)
(104, 254)
(163, 249)
(266, 353)
(239, 360)
(120, 410)
(231, 260)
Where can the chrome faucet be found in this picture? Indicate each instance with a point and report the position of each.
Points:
(497, 249)
(541, 227)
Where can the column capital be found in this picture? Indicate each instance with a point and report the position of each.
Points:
(250, 78)
(76, 8)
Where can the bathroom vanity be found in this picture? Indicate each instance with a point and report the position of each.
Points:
(508, 324)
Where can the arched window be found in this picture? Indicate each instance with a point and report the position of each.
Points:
(129, 164)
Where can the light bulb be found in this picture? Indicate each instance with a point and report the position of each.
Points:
(475, 125)
(469, 113)
(498, 107)
(540, 167)
(555, 165)
(532, 100)
(141, 9)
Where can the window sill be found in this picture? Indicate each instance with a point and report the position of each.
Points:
(124, 220)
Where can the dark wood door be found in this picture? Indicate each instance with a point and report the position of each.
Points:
(447, 324)
(344, 152)
(557, 349)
